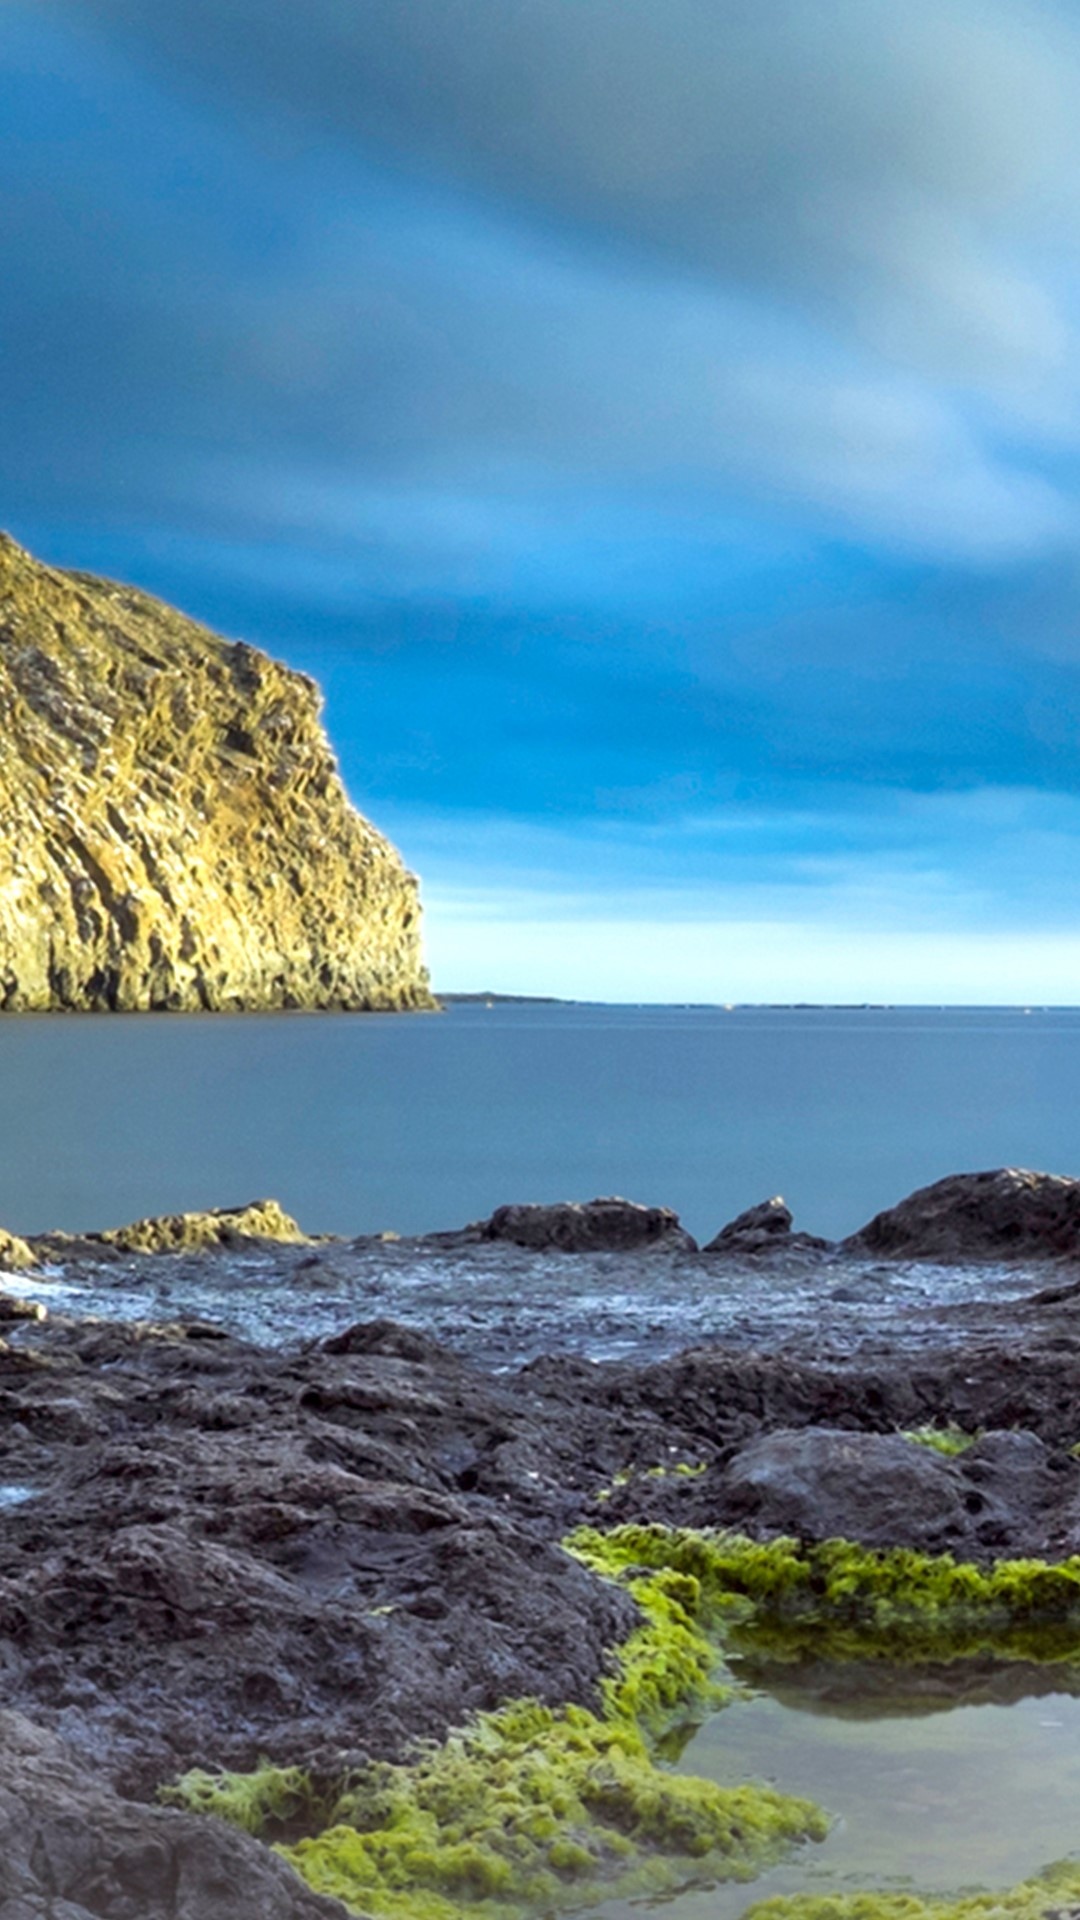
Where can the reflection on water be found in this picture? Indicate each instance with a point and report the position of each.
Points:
(940, 1779)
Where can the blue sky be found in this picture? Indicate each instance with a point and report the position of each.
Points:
(657, 426)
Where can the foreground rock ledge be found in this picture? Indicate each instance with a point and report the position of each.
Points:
(213, 1553)
(177, 835)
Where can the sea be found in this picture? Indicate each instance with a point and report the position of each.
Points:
(361, 1124)
(965, 1772)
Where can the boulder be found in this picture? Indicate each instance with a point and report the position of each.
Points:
(71, 1849)
(765, 1228)
(1002, 1214)
(592, 1226)
(14, 1308)
(884, 1489)
(176, 833)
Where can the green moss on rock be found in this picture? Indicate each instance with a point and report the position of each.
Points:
(531, 1807)
(848, 1601)
(950, 1440)
(1049, 1896)
(267, 1800)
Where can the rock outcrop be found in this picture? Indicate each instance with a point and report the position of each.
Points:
(1005, 1213)
(765, 1228)
(883, 1490)
(591, 1226)
(255, 1223)
(15, 1255)
(176, 833)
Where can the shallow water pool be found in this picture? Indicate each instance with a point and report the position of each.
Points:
(939, 1780)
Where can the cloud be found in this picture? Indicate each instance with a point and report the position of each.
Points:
(990, 860)
(656, 414)
(907, 164)
(497, 251)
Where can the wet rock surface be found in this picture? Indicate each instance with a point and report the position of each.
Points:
(234, 1553)
(71, 1849)
(322, 1546)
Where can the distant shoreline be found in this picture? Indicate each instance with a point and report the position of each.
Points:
(491, 999)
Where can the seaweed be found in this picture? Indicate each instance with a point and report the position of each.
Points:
(949, 1440)
(1040, 1898)
(533, 1808)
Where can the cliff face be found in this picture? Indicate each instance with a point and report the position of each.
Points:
(173, 829)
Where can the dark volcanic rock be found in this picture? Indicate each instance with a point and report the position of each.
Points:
(70, 1849)
(213, 1552)
(232, 1553)
(768, 1218)
(573, 1226)
(1002, 1214)
(885, 1490)
(765, 1228)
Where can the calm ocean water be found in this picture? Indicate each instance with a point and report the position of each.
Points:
(419, 1122)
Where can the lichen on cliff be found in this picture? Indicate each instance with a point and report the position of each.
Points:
(177, 835)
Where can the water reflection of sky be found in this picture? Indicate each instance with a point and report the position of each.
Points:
(980, 1795)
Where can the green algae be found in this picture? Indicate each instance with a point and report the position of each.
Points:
(532, 1807)
(1035, 1899)
(683, 1469)
(675, 1469)
(846, 1602)
(268, 1800)
(949, 1440)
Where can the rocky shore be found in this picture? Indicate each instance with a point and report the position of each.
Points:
(220, 1554)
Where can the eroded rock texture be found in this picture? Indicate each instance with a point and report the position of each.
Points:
(71, 1849)
(590, 1226)
(176, 834)
(1003, 1213)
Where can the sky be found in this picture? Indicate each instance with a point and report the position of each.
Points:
(656, 425)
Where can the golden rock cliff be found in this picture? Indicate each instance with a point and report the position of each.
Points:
(175, 833)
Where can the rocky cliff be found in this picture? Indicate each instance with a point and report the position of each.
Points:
(175, 833)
